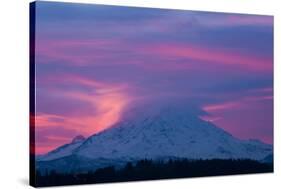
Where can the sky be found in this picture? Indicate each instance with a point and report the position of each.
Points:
(93, 62)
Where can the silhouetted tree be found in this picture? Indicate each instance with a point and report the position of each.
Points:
(148, 169)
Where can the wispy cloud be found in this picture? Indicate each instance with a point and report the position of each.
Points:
(92, 65)
(107, 100)
(210, 56)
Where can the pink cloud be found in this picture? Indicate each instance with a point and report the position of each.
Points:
(99, 51)
(240, 102)
(76, 52)
(107, 100)
(49, 142)
(253, 119)
(210, 56)
(75, 79)
(254, 113)
(221, 106)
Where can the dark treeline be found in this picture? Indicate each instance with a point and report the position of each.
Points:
(150, 170)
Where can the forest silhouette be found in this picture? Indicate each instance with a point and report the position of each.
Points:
(152, 170)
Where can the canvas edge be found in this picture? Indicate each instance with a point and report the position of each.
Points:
(32, 169)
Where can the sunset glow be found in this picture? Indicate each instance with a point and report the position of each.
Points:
(93, 65)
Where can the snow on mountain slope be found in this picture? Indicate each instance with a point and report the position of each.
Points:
(64, 150)
(78, 138)
(74, 163)
(167, 132)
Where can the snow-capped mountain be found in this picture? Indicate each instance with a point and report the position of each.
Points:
(79, 138)
(168, 132)
(64, 150)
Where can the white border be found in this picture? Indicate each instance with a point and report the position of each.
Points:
(14, 93)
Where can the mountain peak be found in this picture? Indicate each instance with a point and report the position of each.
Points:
(78, 138)
(162, 132)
